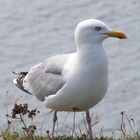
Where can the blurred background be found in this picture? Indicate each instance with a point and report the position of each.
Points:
(32, 30)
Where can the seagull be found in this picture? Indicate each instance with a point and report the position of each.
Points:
(75, 81)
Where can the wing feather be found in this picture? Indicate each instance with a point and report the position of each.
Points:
(46, 78)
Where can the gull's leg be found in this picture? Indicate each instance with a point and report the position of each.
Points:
(54, 122)
(73, 123)
(88, 119)
(74, 110)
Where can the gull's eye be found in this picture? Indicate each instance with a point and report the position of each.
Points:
(98, 28)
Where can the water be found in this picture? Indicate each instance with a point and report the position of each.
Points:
(32, 30)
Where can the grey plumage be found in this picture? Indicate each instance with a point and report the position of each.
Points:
(45, 78)
(19, 80)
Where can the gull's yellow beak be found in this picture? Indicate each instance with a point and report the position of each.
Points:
(117, 34)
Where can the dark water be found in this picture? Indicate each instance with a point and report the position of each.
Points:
(31, 30)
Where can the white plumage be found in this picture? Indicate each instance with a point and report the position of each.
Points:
(73, 81)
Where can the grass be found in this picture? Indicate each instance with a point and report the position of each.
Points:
(127, 128)
(19, 136)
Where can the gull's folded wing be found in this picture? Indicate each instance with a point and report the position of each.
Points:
(45, 78)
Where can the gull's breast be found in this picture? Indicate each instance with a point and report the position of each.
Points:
(86, 85)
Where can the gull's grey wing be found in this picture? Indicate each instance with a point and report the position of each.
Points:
(46, 78)
(19, 81)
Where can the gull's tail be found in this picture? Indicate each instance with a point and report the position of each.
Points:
(19, 80)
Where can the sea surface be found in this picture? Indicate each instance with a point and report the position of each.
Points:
(32, 30)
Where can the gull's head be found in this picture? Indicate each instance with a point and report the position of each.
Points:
(95, 31)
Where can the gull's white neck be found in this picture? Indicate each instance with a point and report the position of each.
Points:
(91, 52)
(89, 47)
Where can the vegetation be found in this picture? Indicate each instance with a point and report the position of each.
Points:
(29, 132)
